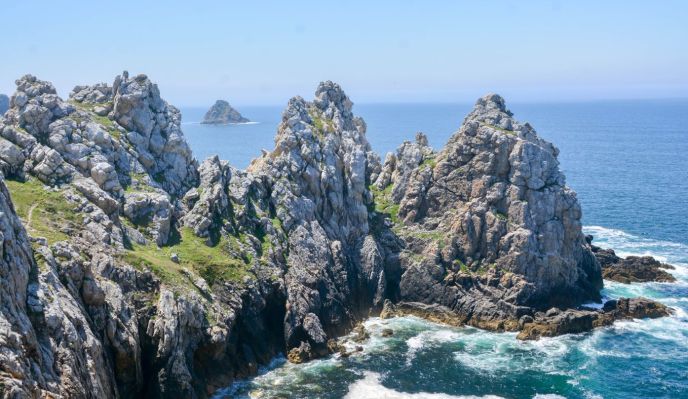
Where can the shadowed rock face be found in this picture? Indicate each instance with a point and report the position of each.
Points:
(4, 104)
(145, 274)
(221, 113)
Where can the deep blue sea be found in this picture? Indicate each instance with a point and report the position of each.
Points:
(628, 162)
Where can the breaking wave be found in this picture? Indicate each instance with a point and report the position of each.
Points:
(426, 360)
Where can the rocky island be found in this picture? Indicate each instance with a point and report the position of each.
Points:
(4, 103)
(221, 113)
(131, 270)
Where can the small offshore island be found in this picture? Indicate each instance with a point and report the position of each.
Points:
(131, 270)
(221, 113)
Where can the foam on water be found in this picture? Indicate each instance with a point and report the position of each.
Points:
(370, 387)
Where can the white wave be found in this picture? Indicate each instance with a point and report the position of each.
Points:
(495, 353)
(626, 244)
(428, 339)
(370, 388)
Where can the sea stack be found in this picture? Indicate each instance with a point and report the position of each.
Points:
(221, 113)
(4, 104)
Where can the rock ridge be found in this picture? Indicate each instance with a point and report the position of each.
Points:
(131, 270)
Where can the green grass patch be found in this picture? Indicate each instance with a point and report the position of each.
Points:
(429, 163)
(383, 202)
(501, 216)
(458, 264)
(214, 263)
(501, 129)
(320, 124)
(138, 184)
(45, 213)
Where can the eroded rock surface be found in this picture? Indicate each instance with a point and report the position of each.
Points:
(558, 322)
(490, 229)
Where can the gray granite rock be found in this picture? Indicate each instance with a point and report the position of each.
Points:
(490, 209)
(158, 277)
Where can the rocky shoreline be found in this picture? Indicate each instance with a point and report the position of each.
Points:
(632, 269)
(131, 270)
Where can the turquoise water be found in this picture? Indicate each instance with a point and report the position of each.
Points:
(628, 163)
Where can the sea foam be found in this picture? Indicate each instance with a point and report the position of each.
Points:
(370, 388)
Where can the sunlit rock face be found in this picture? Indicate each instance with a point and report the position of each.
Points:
(491, 229)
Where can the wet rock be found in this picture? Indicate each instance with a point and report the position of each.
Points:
(573, 321)
(387, 332)
(360, 333)
(632, 269)
(433, 312)
(300, 354)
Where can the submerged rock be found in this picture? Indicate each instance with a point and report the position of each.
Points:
(221, 113)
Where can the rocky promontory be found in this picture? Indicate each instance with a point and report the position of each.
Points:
(131, 270)
(221, 113)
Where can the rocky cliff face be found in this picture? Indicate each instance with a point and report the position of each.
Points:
(221, 113)
(4, 104)
(491, 230)
(145, 274)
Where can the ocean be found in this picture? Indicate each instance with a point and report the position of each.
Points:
(628, 162)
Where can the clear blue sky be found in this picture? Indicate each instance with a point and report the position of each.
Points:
(255, 52)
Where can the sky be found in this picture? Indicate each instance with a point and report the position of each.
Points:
(264, 52)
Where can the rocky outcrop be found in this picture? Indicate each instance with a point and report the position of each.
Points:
(558, 322)
(632, 269)
(144, 274)
(221, 113)
(317, 177)
(490, 229)
(4, 104)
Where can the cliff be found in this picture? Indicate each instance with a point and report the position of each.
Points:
(491, 230)
(129, 270)
(221, 113)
